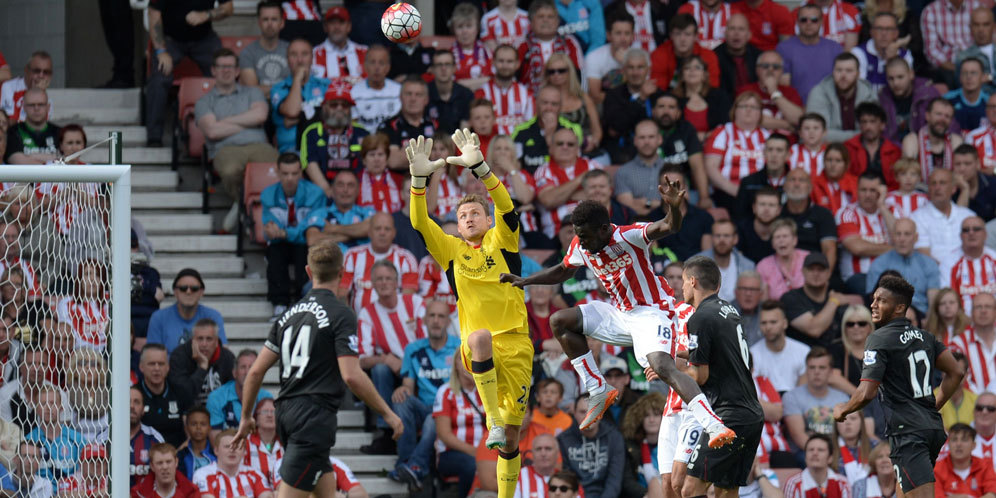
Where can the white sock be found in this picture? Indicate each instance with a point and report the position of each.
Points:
(585, 367)
(703, 413)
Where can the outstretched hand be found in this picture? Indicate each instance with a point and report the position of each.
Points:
(470, 149)
(418, 150)
(246, 428)
(671, 193)
(515, 280)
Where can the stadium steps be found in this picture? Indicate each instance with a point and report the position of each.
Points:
(132, 155)
(235, 309)
(173, 224)
(193, 243)
(134, 135)
(209, 265)
(92, 106)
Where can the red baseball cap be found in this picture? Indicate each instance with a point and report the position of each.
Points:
(339, 90)
(337, 13)
(93, 451)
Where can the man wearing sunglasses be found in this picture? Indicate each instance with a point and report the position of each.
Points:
(174, 325)
(973, 268)
(782, 104)
(808, 57)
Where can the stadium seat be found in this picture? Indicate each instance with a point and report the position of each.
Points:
(237, 43)
(185, 127)
(258, 176)
(437, 42)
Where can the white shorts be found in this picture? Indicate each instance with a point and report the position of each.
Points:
(676, 440)
(647, 329)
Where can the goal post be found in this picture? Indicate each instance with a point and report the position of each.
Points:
(113, 182)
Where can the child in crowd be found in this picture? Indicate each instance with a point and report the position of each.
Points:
(379, 188)
(906, 199)
(808, 153)
(196, 452)
(549, 393)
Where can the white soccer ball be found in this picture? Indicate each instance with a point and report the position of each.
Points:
(401, 22)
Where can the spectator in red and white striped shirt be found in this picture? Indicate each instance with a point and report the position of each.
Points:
(263, 449)
(505, 24)
(379, 187)
(513, 101)
(460, 426)
(533, 478)
(971, 270)
(338, 56)
(228, 478)
(808, 153)
(864, 230)
(358, 262)
(904, 201)
(736, 149)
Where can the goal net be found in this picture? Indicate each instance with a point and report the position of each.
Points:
(64, 329)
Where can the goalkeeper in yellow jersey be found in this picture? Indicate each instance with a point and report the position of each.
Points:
(494, 333)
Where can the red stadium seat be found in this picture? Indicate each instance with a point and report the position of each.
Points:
(192, 89)
(437, 42)
(258, 177)
(237, 43)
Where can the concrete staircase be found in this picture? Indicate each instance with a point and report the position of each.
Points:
(168, 204)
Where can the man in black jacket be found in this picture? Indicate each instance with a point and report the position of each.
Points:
(628, 104)
(737, 53)
(201, 365)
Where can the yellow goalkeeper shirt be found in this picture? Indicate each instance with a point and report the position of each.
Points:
(482, 301)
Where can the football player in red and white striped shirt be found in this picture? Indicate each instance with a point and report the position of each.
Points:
(972, 270)
(711, 17)
(227, 477)
(863, 228)
(338, 56)
(906, 199)
(513, 102)
(533, 479)
(263, 449)
(358, 262)
(505, 24)
(619, 256)
(393, 320)
(558, 182)
(808, 153)
(736, 149)
(983, 138)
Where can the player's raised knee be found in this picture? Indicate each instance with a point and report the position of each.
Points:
(565, 320)
(479, 340)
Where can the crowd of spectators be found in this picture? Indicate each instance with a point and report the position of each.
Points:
(821, 149)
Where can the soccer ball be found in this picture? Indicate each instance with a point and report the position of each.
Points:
(401, 22)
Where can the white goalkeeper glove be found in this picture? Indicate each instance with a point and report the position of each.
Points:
(419, 165)
(470, 153)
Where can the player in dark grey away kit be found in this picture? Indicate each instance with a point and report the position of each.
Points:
(898, 363)
(315, 342)
(719, 360)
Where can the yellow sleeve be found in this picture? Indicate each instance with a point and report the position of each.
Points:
(439, 244)
(506, 219)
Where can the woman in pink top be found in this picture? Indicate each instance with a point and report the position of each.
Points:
(782, 271)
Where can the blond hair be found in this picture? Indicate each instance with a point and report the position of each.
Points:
(573, 83)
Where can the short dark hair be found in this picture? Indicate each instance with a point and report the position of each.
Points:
(769, 191)
(620, 15)
(503, 46)
(246, 352)
(962, 428)
(812, 116)
(966, 149)
(705, 271)
(772, 304)
(223, 52)
(152, 346)
(872, 109)
(682, 21)
(820, 437)
(438, 53)
(540, 4)
(798, 13)
(548, 381)
(269, 4)
(569, 477)
(900, 288)
(414, 79)
(976, 60)
(938, 100)
(846, 57)
(198, 409)
(778, 136)
(817, 352)
(206, 322)
(589, 213)
(70, 128)
(870, 175)
(289, 158)
(595, 173)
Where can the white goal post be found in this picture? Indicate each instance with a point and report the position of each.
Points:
(117, 178)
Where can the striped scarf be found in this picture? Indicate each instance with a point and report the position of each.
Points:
(533, 59)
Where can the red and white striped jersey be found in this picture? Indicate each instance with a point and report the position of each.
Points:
(301, 10)
(981, 361)
(624, 268)
(683, 311)
(12, 99)
(211, 480)
(902, 205)
(513, 105)
(742, 151)
(388, 330)
(330, 61)
(89, 319)
(358, 263)
(771, 436)
(531, 484)
(801, 157)
(432, 284)
(472, 63)
(66, 203)
(839, 19)
(551, 175)
(501, 30)
(73, 484)
(969, 277)
(449, 196)
(984, 448)
(983, 139)
(852, 221)
(526, 218)
(381, 192)
(466, 412)
(31, 280)
(712, 25)
(802, 485)
(263, 460)
(643, 29)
